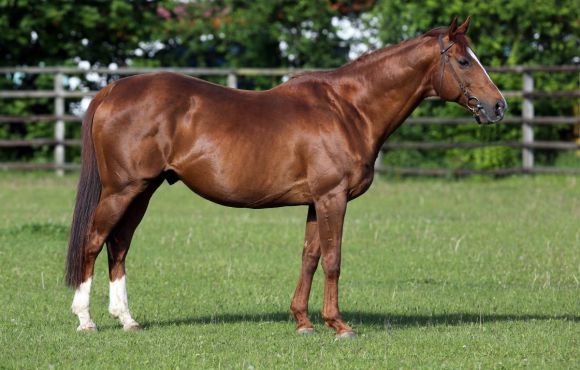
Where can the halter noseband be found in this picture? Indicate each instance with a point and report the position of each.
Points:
(475, 109)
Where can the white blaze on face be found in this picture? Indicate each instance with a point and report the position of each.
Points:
(118, 303)
(80, 306)
(476, 60)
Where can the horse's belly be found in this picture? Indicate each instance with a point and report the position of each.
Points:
(237, 188)
(248, 198)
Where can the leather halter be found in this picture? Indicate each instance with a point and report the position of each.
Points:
(475, 109)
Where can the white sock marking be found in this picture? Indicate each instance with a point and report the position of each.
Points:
(80, 305)
(118, 303)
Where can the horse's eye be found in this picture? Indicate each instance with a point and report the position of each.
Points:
(464, 62)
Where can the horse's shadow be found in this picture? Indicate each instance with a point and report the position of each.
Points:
(376, 320)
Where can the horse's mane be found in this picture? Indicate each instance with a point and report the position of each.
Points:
(296, 75)
(460, 40)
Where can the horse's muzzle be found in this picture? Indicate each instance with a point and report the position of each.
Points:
(487, 114)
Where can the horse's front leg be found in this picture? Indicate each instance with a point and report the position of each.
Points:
(310, 258)
(330, 211)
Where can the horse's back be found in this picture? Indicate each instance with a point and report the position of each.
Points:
(163, 98)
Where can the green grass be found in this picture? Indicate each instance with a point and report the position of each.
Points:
(435, 274)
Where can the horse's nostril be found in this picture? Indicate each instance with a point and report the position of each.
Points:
(499, 108)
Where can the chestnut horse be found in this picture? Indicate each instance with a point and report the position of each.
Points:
(310, 141)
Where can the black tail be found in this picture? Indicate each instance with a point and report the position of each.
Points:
(88, 194)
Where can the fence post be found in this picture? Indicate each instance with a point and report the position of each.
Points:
(59, 127)
(232, 80)
(527, 116)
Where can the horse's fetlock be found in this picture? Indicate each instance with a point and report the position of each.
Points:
(79, 308)
(297, 310)
(116, 311)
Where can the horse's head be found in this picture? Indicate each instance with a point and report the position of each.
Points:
(460, 77)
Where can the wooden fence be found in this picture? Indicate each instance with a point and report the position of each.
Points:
(527, 120)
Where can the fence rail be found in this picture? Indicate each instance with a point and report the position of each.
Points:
(527, 120)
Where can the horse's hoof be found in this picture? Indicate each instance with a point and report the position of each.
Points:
(132, 327)
(305, 331)
(90, 326)
(346, 335)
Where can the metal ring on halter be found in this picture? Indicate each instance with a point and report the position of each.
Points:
(477, 107)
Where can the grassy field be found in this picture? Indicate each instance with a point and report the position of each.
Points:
(436, 274)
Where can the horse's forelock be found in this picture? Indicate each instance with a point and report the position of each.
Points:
(460, 39)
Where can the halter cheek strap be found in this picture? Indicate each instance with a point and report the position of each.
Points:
(477, 107)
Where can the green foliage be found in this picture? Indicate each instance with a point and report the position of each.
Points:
(102, 32)
(519, 32)
(249, 34)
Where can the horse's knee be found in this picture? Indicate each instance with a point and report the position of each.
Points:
(331, 266)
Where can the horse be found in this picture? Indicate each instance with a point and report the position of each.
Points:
(311, 141)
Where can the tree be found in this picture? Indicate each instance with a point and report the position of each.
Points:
(233, 33)
(54, 33)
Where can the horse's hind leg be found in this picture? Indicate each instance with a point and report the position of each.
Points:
(111, 207)
(310, 258)
(118, 244)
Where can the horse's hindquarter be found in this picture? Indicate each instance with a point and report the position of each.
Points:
(133, 127)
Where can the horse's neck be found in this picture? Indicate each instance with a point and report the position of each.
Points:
(388, 86)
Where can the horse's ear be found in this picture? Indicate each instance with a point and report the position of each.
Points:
(464, 27)
(452, 27)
